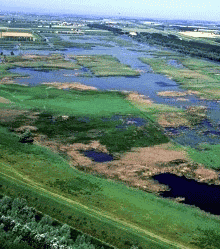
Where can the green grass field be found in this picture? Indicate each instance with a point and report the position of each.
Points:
(70, 102)
(207, 155)
(99, 206)
(105, 65)
(108, 210)
(93, 105)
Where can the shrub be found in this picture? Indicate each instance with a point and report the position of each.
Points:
(26, 137)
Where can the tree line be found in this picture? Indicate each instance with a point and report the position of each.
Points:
(193, 48)
(23, 227)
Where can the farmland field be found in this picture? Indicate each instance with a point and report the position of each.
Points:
(15, 34)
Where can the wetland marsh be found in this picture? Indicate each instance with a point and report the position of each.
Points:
(124, 125)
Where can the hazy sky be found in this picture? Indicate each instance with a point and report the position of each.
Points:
(172, 9)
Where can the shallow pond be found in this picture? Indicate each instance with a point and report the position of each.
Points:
(99, 157)
(202, 195)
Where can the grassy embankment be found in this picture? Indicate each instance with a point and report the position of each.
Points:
(105, 65)
(4, 71)
(106, 209)
(207, 155)
(197, 74)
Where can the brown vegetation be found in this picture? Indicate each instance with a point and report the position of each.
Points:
(172, 94)
(193, 115)
(72, 85)
(136, 167)
(6, 80)
(26, 127)
(7, 115)
(4, 101)
(172, 119)
(176, 93)
(16, 34)
(139, 99)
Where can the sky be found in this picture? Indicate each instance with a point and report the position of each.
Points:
(168, 9)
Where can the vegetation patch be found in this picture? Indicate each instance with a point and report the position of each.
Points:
(95, 205)
(189, 117)
(25, 227)
(4, 101)
(72, 85)
(90, 115)
(105, 65)
(72, 102)
(199, 76)
(194, 46)
(206, 154)
(6, 75)
(61, 44)
(53, 61)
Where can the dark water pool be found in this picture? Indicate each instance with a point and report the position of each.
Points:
(202, 195)
(99, 157)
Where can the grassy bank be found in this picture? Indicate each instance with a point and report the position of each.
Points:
(105, 65)
(206, 154)
(196, 74)
(4, 73)
(99, 206)
(108, 210)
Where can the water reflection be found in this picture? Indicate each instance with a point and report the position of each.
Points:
(202, 195)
